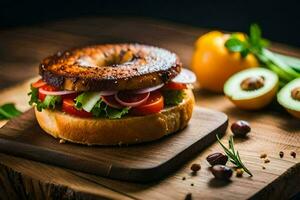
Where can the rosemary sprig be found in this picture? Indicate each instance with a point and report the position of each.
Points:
(233, 155)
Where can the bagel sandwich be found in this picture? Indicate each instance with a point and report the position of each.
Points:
(112, 94)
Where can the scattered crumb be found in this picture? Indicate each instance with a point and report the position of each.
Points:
(264, 155)
(263, 167)
(281, 154)
(267, 160)
(192, 184)
(61, 141)
(239, 172)
(195, 167)
(293, 154)
(183, 178)
(188, 196)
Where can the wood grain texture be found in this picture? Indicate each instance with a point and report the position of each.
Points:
(273, 130)
(146, 162)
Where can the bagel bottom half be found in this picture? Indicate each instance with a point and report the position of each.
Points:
(127, 130)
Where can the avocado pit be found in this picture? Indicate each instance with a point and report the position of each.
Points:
(253, 83)
(296, 93)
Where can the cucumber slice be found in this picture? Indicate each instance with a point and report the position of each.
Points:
(87, 100)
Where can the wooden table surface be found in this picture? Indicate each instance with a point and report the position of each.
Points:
(22, 48)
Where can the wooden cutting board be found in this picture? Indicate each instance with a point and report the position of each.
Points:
(142, 163)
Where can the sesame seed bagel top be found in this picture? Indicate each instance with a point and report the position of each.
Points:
(110, 67)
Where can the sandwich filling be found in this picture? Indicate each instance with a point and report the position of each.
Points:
(107, 104)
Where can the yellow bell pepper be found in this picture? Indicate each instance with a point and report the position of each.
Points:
(214, 64)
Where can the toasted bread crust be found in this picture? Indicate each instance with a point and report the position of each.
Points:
(110, 67)
(127, 130)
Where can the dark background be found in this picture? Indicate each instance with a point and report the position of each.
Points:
(280, 20)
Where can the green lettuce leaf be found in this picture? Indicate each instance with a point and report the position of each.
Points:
(101, 109)
(173, 97)
(79, 100)
(113, 113)
(34, 95)
(49, 102)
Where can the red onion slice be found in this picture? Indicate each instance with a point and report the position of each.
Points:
(133, 103)
(111, 101)
(150, 89)
(185, 76)
(107, 93)
(55, 93)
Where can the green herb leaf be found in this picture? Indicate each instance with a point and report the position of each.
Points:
(255, 35)
(234, 156)
(173, 97)
(253, 43)
(264, 42)
(8, 111)
(245, 52)
(235, 45)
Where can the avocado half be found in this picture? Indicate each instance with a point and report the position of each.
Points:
(256, 98)
(285, 98)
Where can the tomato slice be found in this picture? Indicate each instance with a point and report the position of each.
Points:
(175, 86)
(68, 106)
(47, 88)
(128, 97)
(69, 96)
(154, 104)
(39, 83)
